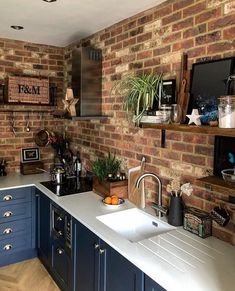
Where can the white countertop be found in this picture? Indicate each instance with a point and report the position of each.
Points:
(177, 260)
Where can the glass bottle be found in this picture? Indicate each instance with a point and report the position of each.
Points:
(176, 113)
(226, 110)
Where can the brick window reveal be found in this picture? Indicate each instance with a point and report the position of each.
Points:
(28, 90)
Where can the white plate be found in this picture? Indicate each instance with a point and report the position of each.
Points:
(120, 200)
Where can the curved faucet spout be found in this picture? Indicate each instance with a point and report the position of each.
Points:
(159, 187)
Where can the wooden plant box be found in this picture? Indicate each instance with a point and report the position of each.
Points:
(107, 188)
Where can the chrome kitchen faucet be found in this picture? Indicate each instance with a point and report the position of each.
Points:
(158, 207)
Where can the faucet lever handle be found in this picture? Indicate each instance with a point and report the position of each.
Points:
(160, 208)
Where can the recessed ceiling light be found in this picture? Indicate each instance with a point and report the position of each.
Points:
(49, 1)
(17, 27)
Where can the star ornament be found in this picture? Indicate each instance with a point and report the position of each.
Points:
(194, 117)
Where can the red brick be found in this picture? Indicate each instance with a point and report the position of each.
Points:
(182, 147)
(144, 37)
(204, 150)
(145, 19)
(162, 50)
(172, 37)
(116, 31)
(183, 24)
(161, 12)
(136, 31)
(221, 47)
(229, 33)
(208, 15)
(221, 22)
(144, 55)
(182, 4)
(197, 160)
(195, 138)
(166, 154)
(195, 52)
(194, 31)
(129, 42)
(186, 44)
(172, 18)
(130, 25)
(152, 62)
(13, 58)
(195, 9)
(207, 38)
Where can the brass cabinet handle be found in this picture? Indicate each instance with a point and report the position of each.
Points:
(101, 251)
(59, 218)
(7, 198)
(7, 230)
(8, 213)
(60, 233)
(60, 251)
(7, 247)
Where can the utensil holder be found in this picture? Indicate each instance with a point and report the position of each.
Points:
(175, 217)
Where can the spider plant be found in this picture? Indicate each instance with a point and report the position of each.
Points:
(139, 92)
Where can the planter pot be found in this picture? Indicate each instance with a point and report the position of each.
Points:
(108, 188)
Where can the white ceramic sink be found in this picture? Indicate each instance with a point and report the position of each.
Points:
(134, 224)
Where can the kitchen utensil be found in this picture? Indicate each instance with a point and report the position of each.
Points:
(13, 129)
(58, 175)
(42, 136)
(27, 124)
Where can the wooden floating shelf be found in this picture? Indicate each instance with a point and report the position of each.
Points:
(204, 129)
(217, 184)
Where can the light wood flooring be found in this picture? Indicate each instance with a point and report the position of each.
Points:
(28, 275)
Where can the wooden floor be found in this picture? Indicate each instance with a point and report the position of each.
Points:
(26, 276)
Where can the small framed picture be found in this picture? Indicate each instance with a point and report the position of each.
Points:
(167, 93)
(30, 155)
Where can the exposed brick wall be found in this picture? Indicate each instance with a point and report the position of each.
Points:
(21, 58)
(153, 41)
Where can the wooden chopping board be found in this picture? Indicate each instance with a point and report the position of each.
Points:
(134, 194)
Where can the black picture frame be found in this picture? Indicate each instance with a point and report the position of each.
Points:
(30, 155)
(209, 81)
(224, 147)
(167, 93)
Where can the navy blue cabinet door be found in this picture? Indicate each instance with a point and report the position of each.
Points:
(117, 273)
(44, 243)
(87, 260)
(150, 285)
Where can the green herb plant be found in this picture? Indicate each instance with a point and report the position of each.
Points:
(139, 93)
(103, 167)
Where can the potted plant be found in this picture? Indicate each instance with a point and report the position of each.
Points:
(139, 92)
(107, 180)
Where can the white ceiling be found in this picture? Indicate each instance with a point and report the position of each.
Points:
(65, 21)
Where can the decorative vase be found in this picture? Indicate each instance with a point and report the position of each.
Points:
(176, 211)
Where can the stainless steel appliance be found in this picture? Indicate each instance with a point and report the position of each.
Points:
(87, 80)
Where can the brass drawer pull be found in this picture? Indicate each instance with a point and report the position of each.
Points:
(8, 213)
(60, 233)
(7, 230)
(7, 198)
(101, 251)
(7, 247)
(60, 251)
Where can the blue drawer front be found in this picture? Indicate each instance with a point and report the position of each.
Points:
(14, 196)
(15, 212)
(12, 245)
(15, 228)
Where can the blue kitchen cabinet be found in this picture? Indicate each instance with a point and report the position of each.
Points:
(100, 268)
(44, 228)
(150, 285)
(17, 225)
